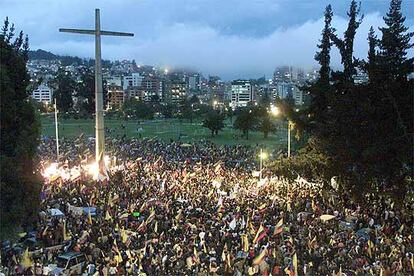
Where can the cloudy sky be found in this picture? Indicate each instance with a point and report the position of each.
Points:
(230, 38)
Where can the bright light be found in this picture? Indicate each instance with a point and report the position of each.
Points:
(93, 169)
(215, 102)
(51, 170)
(274, 110)
(263, 155)
(165, 71)
(107, 160)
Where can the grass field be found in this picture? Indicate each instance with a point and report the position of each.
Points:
(165, 129)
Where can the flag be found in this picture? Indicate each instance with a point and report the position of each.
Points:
(255, 173)
(89, 217)
(310, 243)
(245, 242)
(278, 227)
(326, 217)
(233, 224)
(124, 235)
(107, 216)
(118, 256)
(295, 264)
(261, 207)
(26, 261)
(258, 260)
(261, 233)
(217, 167)
(65, 237)
(250, 226)
(370, 247)
(220, 202)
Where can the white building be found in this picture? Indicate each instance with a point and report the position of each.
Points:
(133, 80)
(286, 88)
(114, 80)
(43, 94)
(241, 93)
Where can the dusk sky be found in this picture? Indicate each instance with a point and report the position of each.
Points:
(229, 38)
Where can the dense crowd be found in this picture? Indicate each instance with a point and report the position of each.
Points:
(200, 209)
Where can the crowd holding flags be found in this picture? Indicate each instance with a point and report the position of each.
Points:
(197, 210)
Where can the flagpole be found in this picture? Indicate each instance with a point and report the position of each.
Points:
(261, 163)
(57, 133)
(288, 138)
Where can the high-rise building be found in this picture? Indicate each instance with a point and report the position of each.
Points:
(241, 93)
(285, 89)
(282, 74)
(152, 88)
(177, 91)
(43, 94)
(133, 80)
(193, 82)
(115, 96)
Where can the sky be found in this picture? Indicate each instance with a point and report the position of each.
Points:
(230, 38)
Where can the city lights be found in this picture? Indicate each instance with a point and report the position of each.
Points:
(274, 110)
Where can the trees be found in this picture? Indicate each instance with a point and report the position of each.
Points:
(20, 131)
(364, 131)
(85, 91)
(65, 87)
(266, 126)
(246, 121)
(346, 45)
(133, 108)
(394, 44)
(214, 122)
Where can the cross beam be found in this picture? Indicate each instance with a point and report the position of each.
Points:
(92, 32)
(99, 122)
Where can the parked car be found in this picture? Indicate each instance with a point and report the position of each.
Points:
(70, 263)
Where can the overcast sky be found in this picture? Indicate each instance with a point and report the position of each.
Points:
(230, 38)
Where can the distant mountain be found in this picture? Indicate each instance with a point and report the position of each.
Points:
(65, 60)
(42, 54)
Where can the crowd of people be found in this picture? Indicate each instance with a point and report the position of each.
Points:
(200, 209)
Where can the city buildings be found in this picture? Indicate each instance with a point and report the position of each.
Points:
(43, 94)
(151, 88)
(115, 96)
(241, 93)
(133, 80)
(176, 91)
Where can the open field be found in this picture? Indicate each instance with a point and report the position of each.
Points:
(165, 129)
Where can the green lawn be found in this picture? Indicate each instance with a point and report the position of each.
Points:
(163, 129)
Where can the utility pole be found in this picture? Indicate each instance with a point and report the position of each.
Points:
(99, 122)
(57, 133)
(289, 126)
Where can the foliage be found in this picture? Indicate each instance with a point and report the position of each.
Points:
(20, 131)
(214, 121)
(246, 121)
(136, 109)
(186, 110)
(266, 126)
(64, 90)
(308, 163)
(364, 131)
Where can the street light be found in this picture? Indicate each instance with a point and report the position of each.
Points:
(274, 110)
(262, 155)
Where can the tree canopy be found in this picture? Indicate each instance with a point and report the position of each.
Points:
(20, 132)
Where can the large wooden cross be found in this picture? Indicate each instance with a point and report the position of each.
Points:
(99, 122)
